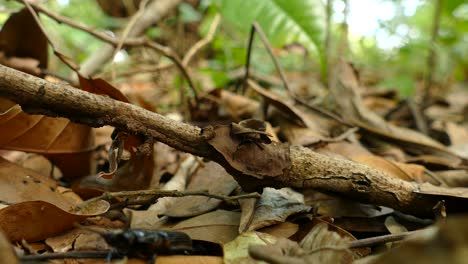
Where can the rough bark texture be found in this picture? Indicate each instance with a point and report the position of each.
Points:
(308, 169)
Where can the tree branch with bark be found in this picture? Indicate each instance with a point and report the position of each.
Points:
(305, 169)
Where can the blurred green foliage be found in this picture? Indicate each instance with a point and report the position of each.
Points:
(286, 22)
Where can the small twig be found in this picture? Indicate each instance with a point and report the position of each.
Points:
(327, 44)
(188, 56)
(431, 59)
(130, 42)
(247, 63)
(372, 241)
(162, 193)
(338, 138)
(283, 76)
(125, 33)
(70, 254)
(323, 112)
(278, 67)
(129, 26)
(203, 42)
(418, 116)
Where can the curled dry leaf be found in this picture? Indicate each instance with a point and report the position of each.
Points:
(21, 37)
(37, 220)
(345, 91)
(275, 206)
(251, 158)
(283, 107)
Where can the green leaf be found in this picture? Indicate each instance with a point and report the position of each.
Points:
(284, 21)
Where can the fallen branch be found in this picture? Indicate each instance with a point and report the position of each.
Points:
(307, 169)
(163, 193)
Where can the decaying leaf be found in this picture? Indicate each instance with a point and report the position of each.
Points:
(21, 37)
(288, 109)
(319, 246)
(37, 220)
(237, 251)
(274, 207)
(219, 226)
(18, 184)
(212, 178)
(249, 158)
(445, 243)
(345, 92)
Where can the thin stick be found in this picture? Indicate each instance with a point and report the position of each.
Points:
(163, 193)
(188, 56)
(203, 42)
(130, 42)
(129, 26)
(247, 63)
(327, 43)
(267, 45)
(372, 241)
(70, 254)
(431, 63)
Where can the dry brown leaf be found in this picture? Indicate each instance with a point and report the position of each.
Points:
(251, 158)
(219, 226)
(37, 220)
(319, 246)
(22, 37)
(334, 206)
(238, 106)
(18, 184)
(212, 178)
(283, 107)
(285, 229)
(345, 92)
(407, 172)
(236, 251)
(275, 206)
(445, 243)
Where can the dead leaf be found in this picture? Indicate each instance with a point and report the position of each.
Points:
(22, 37)
(37, 220)
(319, 246)
(408, 172)
(212, 178)
(285, 229)
(219, 226)
(18, 184)
(445, 243)
(249, 158)
(236, 251)
(287, 109)
(345, 91)
(275, 206)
